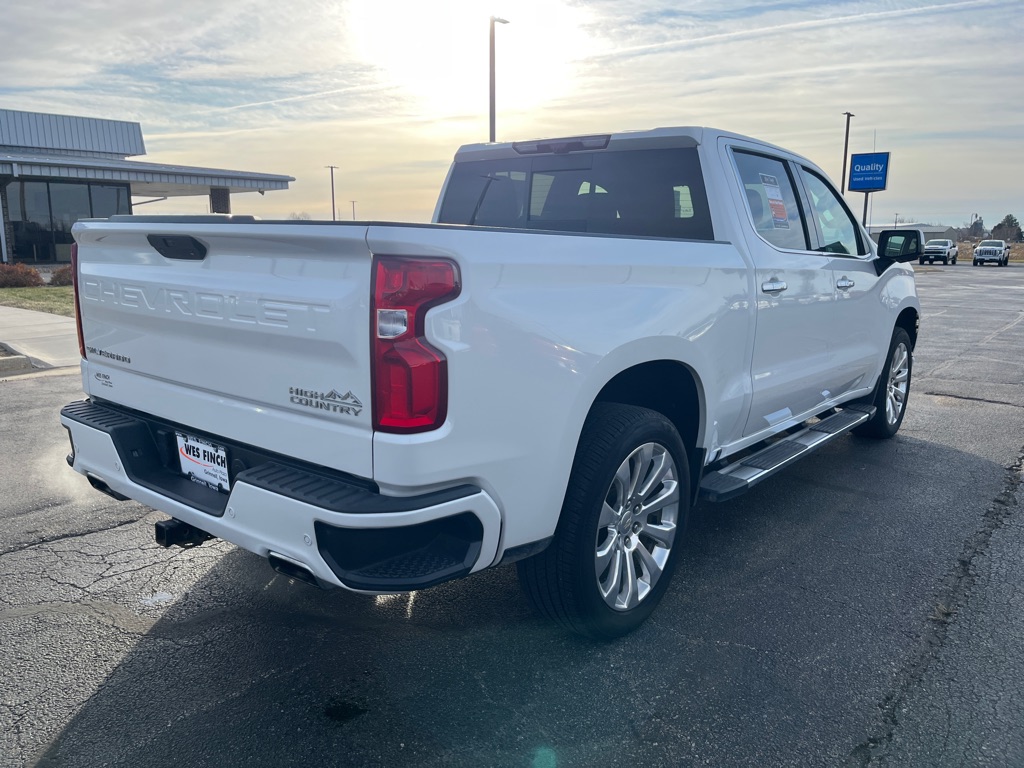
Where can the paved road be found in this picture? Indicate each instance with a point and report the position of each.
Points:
(865, 607)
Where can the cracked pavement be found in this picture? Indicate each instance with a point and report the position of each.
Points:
(865, 607)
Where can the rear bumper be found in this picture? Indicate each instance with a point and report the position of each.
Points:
(345, 532)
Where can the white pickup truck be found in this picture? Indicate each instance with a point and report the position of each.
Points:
(945, 251)
(594, 333)
(992, 250)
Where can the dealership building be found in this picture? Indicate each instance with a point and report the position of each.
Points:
(57, 169)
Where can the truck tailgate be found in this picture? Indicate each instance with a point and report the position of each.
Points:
(264, 340)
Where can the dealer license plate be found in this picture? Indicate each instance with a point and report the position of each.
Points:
(204, 462)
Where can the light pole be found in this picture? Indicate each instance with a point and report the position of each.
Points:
(334, 211)
(895, 221)
(494, 19)
(353, 209)
(846, 149)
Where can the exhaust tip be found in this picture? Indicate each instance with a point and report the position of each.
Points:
(293, 570)
(99, 485)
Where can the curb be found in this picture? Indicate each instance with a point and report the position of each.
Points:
(14, 363)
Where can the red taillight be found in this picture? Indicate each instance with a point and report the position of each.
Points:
(410, 377)
(78, 308)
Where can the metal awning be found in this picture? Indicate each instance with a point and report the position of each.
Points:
(146, 179)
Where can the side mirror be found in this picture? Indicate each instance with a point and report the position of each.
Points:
(900, 244)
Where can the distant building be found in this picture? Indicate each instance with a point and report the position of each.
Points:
(57, 169)
(931, 231)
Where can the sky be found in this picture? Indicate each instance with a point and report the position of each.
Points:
(387, 90)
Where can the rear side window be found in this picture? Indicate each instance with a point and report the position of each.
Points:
(651, 192)
(771, 200)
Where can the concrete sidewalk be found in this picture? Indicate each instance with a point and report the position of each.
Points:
(48, 341)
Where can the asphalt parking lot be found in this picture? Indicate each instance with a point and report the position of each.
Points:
(864, 607)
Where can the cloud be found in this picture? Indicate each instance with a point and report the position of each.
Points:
(794, 18)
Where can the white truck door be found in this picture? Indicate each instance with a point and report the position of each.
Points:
(860, 331)
(790, 369)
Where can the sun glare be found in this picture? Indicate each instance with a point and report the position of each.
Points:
(437, 53)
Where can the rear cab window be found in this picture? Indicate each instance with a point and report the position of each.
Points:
(632, 192)
(772, 201)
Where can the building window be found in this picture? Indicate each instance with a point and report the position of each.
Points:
(68, 203)
(42, 214)
(109, 200)
(33, 240)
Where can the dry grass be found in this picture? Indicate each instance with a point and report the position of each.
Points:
(57, 300)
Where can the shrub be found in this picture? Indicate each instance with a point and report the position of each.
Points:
(61, 276)
(19, 276)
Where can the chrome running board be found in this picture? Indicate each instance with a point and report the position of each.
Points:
(740, 477)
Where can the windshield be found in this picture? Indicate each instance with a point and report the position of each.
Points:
(937, 242)
(991, 243)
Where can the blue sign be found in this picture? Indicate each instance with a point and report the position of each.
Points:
(869, 172)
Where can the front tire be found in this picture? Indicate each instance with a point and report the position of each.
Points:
(892, 391)
(615, 547)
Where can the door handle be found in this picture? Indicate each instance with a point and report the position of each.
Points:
(773, 286)
(844, 283)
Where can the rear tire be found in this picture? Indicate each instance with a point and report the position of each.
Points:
(892, 391)
(621, 525)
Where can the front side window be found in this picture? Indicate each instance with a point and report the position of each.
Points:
(771, 200)
(838, 229)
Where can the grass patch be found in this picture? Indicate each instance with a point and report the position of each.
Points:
(57, 300)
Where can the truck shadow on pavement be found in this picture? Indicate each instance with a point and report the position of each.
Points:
(792, 610)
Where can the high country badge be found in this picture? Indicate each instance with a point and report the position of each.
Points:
(331, 402)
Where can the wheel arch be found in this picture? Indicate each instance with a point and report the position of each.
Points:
(909, 320)
(671, 388)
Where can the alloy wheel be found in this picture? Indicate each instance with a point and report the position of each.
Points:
(637, 526)
(896, 388)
